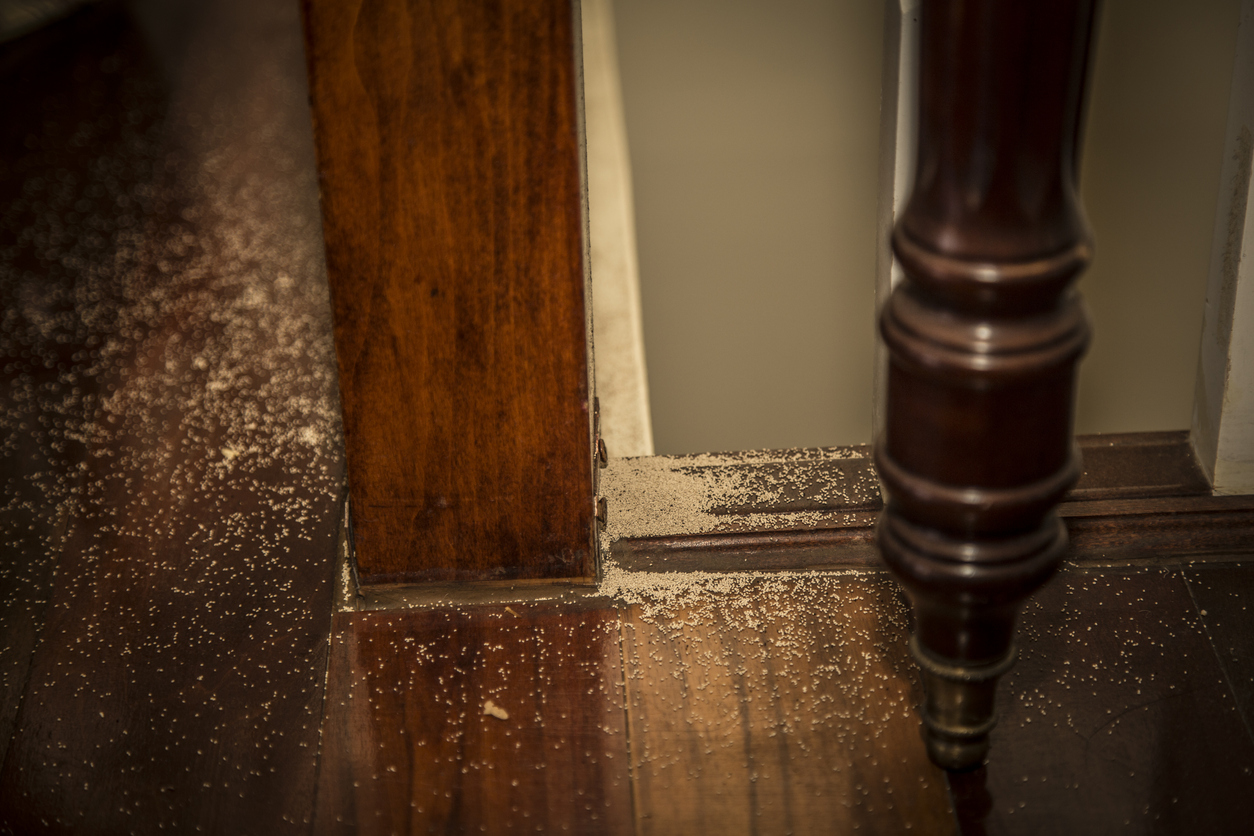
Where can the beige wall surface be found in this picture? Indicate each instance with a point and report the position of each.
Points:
(754, 132)
(754, 141)
(1150, 178)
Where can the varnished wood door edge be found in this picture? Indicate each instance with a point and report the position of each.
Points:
(512, 492)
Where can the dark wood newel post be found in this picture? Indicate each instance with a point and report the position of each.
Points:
(984, 337)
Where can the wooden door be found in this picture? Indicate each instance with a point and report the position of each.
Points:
(451, 176)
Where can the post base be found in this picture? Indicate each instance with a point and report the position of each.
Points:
(958, 712)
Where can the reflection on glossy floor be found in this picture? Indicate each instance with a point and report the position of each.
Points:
(1119, 715)
(774, 703)
(738, 703)
(785, 704)
(170, 495)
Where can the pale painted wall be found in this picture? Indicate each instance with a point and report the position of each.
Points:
(753, 132)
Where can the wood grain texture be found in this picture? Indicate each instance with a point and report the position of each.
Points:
(450, 174)
(413, 746)
(1117, 718)
(1158, 528)
(167, 339)
(170, 467)
(775, 705)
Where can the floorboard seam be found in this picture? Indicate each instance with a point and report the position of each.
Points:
(1214, 649)
(636, 821)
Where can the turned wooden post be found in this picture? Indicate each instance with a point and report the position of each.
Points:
(984, 336)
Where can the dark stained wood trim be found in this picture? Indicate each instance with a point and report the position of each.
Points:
(1129, 530)
(778, 554)
(846, 536)
(1139, 494)
(450, 168)
(462, 593)
(1166, 525)
(1135, 465)
(1171, 528)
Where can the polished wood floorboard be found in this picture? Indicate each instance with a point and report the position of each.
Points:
(32, 530)
(736, 704)
(1224, 594)
(40, 431)
(785, 704)
(1117, 718)
(497, 719)
(776, 705)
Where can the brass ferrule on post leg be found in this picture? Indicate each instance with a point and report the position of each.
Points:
(959, 715)
(965, 596)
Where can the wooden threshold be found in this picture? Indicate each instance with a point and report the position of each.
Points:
(1142, 496)
(1142, 501)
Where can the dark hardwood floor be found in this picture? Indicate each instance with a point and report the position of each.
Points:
(500, 718)
(171, 490)
(1119, 716)
(172, 467)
